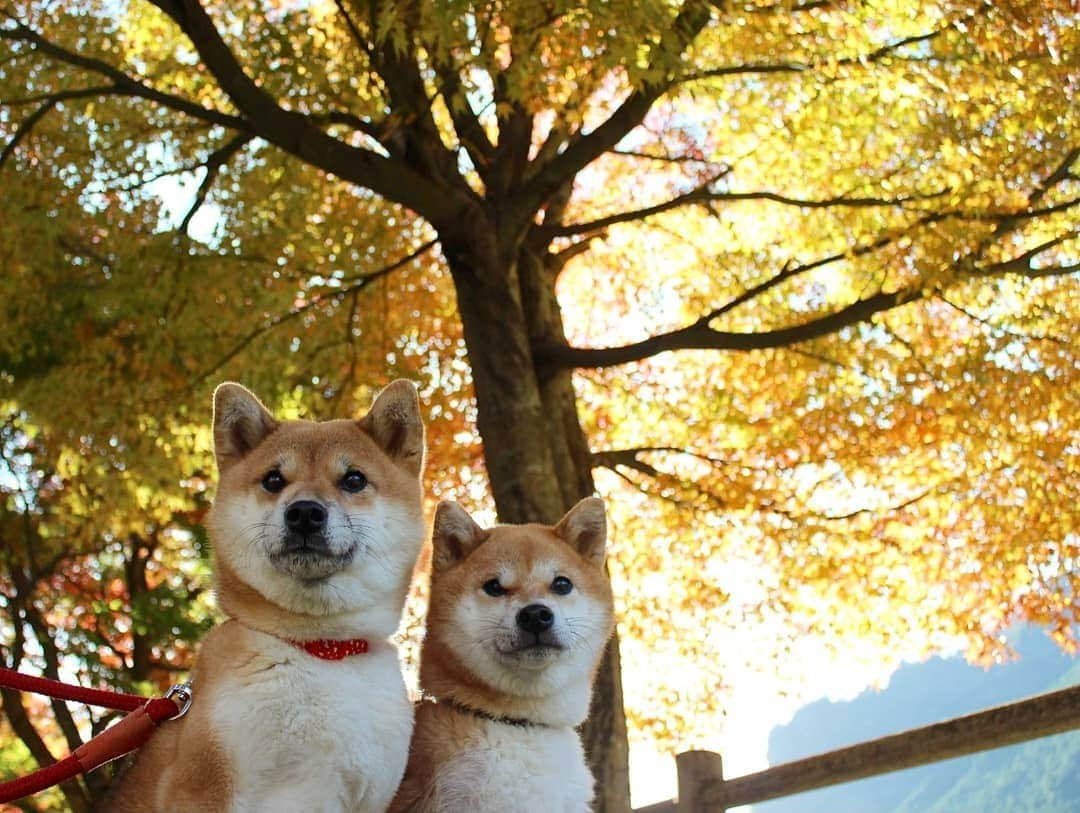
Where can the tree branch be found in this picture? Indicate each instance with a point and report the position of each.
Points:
(627, 458)
(418, 142)
(1022, 264)
(1002, 329)
(879, 510)
(671, 488)
(699, 336)
(299, 135)
(698, 195)
(556, 261)
(703, 194)
(471, 134)
(610, 458)
(123, 84)
(788, 8)
(213, 164)
(371, 129)
(354, 30)
(24, 129)
(62, 95)
(582, 151)
(1062, 172)
(667, 159)
(802, 67)
(790, 270)
(357, 284)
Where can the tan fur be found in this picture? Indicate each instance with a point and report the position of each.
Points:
(187, 765)
(458, 761)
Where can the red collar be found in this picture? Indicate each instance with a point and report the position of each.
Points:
(333, 650)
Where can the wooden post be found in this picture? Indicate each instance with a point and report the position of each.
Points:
(701, 773)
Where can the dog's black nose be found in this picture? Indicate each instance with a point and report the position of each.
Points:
(305, 517)
(535, 618)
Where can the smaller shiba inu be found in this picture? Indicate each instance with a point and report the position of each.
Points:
(298, 702)
(518, 619)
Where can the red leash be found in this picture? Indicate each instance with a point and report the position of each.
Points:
(118, 739)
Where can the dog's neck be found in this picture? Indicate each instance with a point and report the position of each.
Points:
(469, 711)
(444, 678)
(241, 601)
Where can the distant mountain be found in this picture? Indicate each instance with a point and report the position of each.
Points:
(1041, 776)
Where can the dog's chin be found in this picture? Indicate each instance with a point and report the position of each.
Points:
(312, 567)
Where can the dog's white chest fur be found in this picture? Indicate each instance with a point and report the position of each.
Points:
(314, 735)
(525, 770)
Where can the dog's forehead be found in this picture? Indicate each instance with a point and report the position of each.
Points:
(521, 551)
(336, 443)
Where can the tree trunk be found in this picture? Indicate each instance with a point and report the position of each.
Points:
(510, 413)
(604, 735)
(536, 453)
(135, 572)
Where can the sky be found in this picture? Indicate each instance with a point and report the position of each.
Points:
(756, 702)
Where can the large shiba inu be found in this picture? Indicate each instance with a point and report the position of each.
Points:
(518, 620)
(299, 704)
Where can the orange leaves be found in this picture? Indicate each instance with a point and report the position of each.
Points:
(115, 589)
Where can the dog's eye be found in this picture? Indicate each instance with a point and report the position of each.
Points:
(561, 586)
(273, 481)
(353, 481)
(493, 588)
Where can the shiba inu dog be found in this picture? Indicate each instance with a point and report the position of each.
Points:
(518, 619)
(298, 700)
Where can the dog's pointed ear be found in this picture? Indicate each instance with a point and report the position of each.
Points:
(241, 423)
(454, 536)
(584, 528)
(395, 424)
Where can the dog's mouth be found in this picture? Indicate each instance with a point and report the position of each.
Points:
(309, 557)
(532, 647)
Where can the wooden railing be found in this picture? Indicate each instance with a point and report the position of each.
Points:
(703, 788)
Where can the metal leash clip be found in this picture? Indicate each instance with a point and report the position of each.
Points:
(181, 693)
